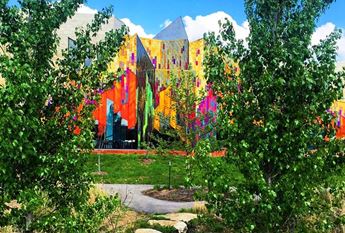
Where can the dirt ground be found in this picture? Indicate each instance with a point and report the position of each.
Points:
(178, 195)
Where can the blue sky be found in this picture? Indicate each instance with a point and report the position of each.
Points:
(152, 13)
(148, 17)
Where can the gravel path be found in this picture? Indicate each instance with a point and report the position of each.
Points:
(132, 197)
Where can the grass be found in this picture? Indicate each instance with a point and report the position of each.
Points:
(141, 169)
(138, 169)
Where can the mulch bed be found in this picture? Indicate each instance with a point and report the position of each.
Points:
(178, 195)
(147, 161)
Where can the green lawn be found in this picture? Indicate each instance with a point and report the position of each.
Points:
(138, 169)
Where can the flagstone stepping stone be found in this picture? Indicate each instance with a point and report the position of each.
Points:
(146, 230)
(185, 217)
(180, 226)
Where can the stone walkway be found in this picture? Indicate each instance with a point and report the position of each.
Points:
(132, 197)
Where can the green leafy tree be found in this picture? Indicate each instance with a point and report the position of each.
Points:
(274, 122)
(188, 129)
(185, 99)
(41, 152)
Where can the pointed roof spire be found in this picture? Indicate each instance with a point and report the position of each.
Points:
(173, 31)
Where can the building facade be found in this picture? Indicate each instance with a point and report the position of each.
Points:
(132, 108)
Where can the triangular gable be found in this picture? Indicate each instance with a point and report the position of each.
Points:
(173, 31)
(142, 54)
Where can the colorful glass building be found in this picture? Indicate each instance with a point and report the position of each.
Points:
(131, 110)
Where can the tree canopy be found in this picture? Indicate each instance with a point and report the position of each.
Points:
(45, 108)
(274, 120)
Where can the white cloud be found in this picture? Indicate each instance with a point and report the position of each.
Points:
(341, 48)
(196, 27)
(136, 29)
(166, 23)
(133, 28)
(83, 9)
(201, 24)
(322, 32)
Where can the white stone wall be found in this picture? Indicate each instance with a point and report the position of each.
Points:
(67, 30)
(340, 65)
(79, 20)
(2, 82)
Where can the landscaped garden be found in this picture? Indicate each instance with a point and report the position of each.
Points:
(266, 101)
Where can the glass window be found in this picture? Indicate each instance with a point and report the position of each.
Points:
(71, 43)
